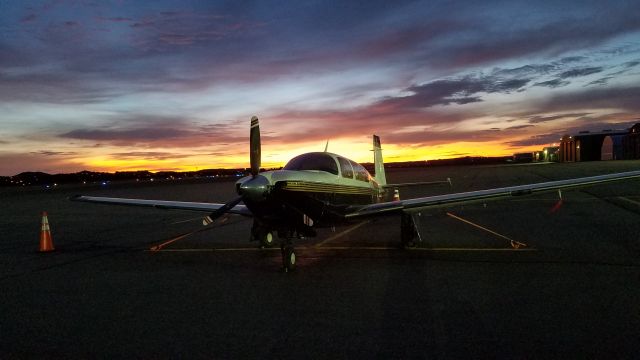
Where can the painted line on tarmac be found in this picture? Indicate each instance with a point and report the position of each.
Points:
(472, 249)
(419, 249)
(629, 200)
(340, 234)
(375, 248)
(514, 243)
(213, 249)
(160, 246)
(188, 220)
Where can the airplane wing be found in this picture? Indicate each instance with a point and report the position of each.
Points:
(484, 195)
(423, 183)
(163, 204)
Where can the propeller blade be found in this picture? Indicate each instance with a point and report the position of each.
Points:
(254, 143)
(221, 211)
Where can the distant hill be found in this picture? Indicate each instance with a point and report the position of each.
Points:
(92, 177)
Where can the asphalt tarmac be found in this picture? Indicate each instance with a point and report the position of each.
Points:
(568, 289)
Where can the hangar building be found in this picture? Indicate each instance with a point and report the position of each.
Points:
(603, 145)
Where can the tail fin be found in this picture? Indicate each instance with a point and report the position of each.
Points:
(380, 177)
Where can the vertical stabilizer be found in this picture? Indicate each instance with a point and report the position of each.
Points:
(380, 176)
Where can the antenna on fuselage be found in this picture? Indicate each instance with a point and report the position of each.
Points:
(326, 146)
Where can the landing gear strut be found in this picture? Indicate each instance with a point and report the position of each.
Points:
(409, 234)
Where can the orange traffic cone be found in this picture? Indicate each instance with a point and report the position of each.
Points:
(46, 243)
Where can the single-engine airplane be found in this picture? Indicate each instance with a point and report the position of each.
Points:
(322, 189)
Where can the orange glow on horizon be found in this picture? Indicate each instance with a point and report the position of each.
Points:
(277, 155)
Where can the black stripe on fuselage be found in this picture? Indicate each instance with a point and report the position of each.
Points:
(324, 203)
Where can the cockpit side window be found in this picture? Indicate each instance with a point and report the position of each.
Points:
(313, 161)
(361, 173)
(345, 168)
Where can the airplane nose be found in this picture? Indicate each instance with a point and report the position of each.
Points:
(254, 188)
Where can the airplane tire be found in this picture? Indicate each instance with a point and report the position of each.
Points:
(289, 259)
(408, 244)
(266, 239)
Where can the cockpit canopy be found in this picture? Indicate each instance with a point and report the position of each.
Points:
(322, 161)
(313, 161)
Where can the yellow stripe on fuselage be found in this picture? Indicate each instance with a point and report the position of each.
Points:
(305, 186)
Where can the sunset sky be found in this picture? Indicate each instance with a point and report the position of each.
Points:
(172, 85)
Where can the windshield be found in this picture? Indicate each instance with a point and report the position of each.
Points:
(313, 161)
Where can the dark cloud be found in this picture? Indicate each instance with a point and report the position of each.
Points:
(532, 70)
(592, 124)
(28, 18)
(536, 140)
(578, 72)
(624, 98)
(132, 135)
(54, 153)
(440, 56)
(555, 83)
(148, 155)
(572, 59)
(117, 19)
(159, 131)
(532, 37)
(536, 119)
(518, 127)
(454, 91)
(56, 88)
(601, 81)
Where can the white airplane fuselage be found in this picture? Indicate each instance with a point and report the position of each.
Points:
(319, 194)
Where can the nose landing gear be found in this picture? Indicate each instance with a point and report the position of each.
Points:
(288, 256)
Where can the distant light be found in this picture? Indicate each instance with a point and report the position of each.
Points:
(104, 183)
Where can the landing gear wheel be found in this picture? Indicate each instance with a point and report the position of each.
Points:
(408, 244)
(288, 258)
(266, 239)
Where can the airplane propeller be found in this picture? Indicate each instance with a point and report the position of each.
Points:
(254, 146)
(221, 211)
(255, 160)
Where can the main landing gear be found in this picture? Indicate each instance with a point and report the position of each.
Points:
(288, 256)
(264, 235)
(409, 233)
